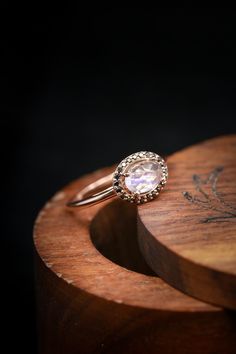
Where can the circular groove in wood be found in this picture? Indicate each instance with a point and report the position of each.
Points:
(62, 239)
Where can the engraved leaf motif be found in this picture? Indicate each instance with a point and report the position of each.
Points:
(209, 198)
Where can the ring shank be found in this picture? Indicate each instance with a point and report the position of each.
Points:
(86, 196)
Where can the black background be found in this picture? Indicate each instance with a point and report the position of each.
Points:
(82, 89)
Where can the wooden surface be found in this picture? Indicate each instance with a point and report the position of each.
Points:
(95, 293)
(188, 235)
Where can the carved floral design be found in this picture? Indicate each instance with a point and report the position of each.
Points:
(210, 198)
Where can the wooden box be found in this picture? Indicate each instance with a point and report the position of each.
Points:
(95, 291)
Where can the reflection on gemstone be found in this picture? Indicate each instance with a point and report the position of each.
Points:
(144, 176)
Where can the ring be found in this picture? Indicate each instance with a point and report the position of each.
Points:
(138, 178)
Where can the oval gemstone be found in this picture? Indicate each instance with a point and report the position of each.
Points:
(144, 176)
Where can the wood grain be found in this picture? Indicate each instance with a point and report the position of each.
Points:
(96, 294)
(188, 235)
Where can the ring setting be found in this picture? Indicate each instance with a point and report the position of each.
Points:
(138, 179)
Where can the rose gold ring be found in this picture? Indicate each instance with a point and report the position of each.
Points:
(138, 178)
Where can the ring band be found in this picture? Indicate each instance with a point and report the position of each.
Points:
(138, 178)
(80, 199)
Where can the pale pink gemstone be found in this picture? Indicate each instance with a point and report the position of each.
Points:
(144, 176)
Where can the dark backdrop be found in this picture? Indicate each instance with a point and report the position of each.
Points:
(83, 89)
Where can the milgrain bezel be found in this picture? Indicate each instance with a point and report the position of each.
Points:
(121, 172)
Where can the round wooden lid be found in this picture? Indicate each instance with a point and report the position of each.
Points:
(188, 234)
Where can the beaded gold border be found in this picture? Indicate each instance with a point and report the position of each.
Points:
(121, 172)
